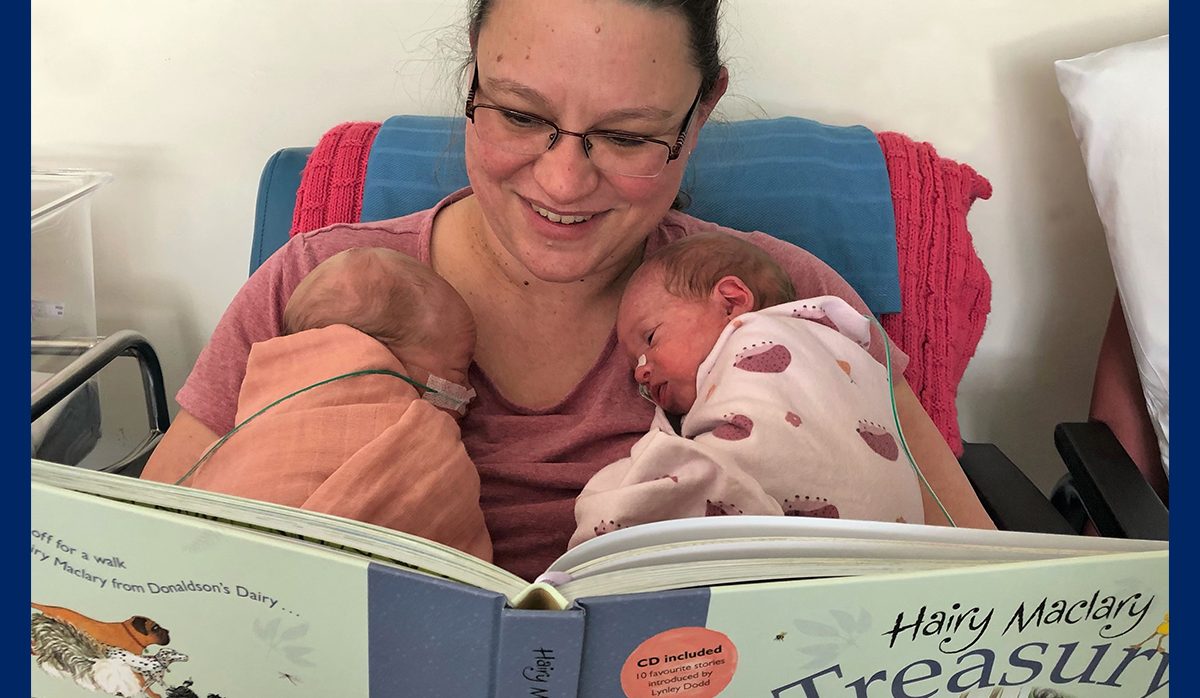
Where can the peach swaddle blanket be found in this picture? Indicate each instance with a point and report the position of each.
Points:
(364, 448)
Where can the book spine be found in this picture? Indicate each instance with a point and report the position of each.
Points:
(539, 653)
(618, 625)
(430, 637)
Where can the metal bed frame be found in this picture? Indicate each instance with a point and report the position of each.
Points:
(93, 354)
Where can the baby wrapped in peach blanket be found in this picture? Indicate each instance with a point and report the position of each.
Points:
(364, 448)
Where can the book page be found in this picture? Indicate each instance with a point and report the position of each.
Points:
(1084, 627)
(214, 597)
(726, 550)
(641, 542)
(335, 532)
(1088, 627)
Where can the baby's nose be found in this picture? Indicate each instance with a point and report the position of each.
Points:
(641, 373)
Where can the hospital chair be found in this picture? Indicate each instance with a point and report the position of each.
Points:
(826, 183)
(1115, 484)
(1118, 103)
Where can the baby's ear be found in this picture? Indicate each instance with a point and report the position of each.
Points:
(734, 296)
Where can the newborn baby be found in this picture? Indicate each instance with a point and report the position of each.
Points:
(783, 409)
(379, 447)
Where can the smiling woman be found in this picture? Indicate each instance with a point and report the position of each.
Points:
(541, 247)
(635, 76)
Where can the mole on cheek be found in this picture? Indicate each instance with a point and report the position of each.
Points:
(499, 57)
(597, 28)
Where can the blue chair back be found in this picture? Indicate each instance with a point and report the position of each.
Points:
(824, 188)
(276, 202)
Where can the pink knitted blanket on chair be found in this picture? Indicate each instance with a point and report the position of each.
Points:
(331, 186)
(944, 289)
(945, 292)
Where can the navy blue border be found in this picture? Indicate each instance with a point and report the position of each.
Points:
(14, 359)
(1184, 251)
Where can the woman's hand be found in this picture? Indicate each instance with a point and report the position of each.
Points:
(184, 443)
(941, 468)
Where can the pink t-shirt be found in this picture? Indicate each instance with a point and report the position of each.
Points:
(532, 463)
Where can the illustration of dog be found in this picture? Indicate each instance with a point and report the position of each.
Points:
(64, 651)
(134, 634)
(123, 673)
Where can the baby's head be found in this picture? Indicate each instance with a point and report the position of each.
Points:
(395, 299)
(679, 301)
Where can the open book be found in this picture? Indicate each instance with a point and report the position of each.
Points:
(234, 597)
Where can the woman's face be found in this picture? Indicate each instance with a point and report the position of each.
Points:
(584, 65)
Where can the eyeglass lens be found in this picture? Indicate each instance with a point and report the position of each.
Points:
(524, 135)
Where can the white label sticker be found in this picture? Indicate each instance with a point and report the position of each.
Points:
(45, 309)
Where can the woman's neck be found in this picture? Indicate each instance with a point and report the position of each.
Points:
(535, 340)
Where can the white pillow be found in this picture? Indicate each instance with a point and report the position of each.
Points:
(1118, 100)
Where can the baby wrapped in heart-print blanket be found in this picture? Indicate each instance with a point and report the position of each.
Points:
(784, 411)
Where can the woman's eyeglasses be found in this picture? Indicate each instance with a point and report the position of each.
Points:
(614, 152)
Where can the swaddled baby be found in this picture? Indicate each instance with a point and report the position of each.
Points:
(783, 409)
(379, 443)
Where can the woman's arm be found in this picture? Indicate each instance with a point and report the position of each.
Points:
(184, 443)
(939, 466)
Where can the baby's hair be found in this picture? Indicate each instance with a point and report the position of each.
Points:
(385, 294)
(692, 266)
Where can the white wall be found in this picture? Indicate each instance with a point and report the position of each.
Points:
(184, 101)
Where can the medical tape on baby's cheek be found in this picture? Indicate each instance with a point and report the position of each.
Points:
(451, 396)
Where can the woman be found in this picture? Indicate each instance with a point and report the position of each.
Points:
(541, 247)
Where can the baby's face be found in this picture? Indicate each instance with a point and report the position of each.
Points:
(666, 338)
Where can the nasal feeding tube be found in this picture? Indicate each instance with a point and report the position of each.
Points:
(455, 397)
(643, 390)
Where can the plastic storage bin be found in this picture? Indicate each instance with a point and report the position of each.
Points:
(62, 289)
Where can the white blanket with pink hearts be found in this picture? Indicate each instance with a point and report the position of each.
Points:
(792, 417)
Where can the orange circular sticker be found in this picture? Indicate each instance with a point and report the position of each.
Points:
(680, 663)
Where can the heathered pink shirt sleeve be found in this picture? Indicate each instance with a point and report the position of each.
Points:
(211, 390)
(256, 312)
